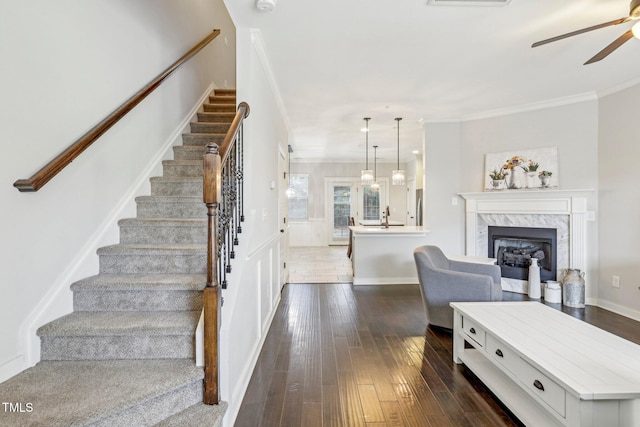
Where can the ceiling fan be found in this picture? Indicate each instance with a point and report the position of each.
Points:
(634, 13)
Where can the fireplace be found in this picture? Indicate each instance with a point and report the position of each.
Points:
(566, 211)
(513, 247)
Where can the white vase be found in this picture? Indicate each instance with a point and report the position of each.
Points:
(513, 179)
(532, 179)
(534, 279)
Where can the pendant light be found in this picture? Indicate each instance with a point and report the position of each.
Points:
(366, 175)
(290, 191)
(397, 178)
(375, 185)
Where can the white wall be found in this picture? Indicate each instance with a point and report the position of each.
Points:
(442, 173)
(314, 231)
(619, 201)
(66, 65)
(254, 289)
(455, 154)
(572, 128)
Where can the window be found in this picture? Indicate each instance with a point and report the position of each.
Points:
(371, 203)
(298, 204)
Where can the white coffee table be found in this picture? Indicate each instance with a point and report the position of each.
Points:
(549, 368)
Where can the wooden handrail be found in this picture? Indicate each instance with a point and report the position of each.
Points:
(51, 169)
(241, 114)
(221, 202)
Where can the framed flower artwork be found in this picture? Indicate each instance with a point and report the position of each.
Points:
(535, 168)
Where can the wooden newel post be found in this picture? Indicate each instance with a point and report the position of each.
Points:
(212, 184)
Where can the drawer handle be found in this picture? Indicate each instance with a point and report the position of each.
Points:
(472, 330)
(537, 384)
(499, 353)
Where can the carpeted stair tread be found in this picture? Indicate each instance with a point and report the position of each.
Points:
(189, 152)
(185, 162)
(213, 108)
(169, 199)
(170, 207)
(225, 91)
(208, 127)
(199, 415)
(216, 116)
(134, 282)
(201, 139)
(222, 99)
(161, 230)
(102, 393)
(176, 179)
(190, 186)
(152, 249)
(166, 222)
(119, 323)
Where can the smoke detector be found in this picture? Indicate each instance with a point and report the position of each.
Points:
(265, 5)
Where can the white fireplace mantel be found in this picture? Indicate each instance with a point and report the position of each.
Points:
(512, 205)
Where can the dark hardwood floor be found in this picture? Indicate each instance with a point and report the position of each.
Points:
(338, 355)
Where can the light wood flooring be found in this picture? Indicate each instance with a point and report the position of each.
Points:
(319, 264)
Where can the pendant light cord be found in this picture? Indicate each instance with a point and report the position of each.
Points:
(375, 163)
(398, 120)
(366, 119)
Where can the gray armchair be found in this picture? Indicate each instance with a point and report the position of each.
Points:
(443, 281)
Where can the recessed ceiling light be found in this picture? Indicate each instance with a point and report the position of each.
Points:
(415, 152)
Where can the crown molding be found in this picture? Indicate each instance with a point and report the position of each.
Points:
(619, 88)
(542, 105)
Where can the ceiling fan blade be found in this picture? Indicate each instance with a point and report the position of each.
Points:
(584, 30)
(613, 46)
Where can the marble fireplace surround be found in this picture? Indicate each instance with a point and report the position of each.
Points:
(564, 210)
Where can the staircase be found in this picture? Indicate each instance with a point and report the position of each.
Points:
(126, 355)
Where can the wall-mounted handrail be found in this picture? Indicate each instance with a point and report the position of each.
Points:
(51, 169)
(223, 192)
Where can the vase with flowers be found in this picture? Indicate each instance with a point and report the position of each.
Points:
(531, 171)
(497, 176)
(545, 178)
(512, 166)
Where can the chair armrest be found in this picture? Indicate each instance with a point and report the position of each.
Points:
(463, 286)
(491, 270)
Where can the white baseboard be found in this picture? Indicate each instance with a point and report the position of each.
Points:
(618, 309)
(55, 303)
(12, 367)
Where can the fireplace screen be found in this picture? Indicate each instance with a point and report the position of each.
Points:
(513, 247)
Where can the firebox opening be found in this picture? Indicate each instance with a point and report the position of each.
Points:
(513, 247)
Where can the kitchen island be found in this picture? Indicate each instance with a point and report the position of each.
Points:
(384, 256)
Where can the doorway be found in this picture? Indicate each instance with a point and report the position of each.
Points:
(347, 198)
(342, 195)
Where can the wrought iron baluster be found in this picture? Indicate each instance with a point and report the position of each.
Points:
(223, 191)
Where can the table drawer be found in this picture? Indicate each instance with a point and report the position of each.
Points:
(473, 331)
(543, 387)
(503, 354)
